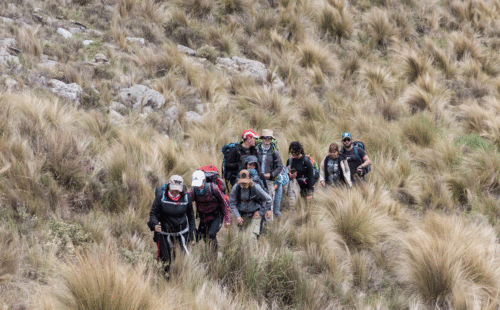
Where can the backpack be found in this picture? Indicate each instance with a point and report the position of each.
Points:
(212, 176)
(226, 150)
(356, 145)
(316, 168)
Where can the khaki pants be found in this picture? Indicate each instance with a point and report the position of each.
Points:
(253, 225)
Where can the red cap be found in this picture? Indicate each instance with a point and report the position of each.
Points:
(249, 133)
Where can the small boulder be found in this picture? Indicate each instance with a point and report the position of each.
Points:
(139, 41)
(186, 50)
(65, 33)
(139, 96)
(87, 42)
(192, 116)
(70, 91)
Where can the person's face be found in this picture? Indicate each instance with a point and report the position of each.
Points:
(267, 141)
(251, 165)
(296, 154)
(252, 140)
(347, 142)
(201, 186)
(174, 192)
(334, 154)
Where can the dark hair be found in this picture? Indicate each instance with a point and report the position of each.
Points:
(295, 146)
(333, 147)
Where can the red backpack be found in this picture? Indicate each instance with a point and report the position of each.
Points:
(212, 176)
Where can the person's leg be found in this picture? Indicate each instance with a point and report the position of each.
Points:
(202, 231)
(277, 200)
(215, 226)
(164, 250)
(270, 190)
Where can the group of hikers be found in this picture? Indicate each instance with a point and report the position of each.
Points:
(258, 177)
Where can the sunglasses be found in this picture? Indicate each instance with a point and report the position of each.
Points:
(294, 153)
(265, 138)
(346, 139)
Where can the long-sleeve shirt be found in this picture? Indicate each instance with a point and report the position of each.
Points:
(244, 202)
(305, 172)
(210, 202)
(174, 216)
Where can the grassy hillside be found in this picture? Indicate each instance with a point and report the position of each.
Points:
(417, 81)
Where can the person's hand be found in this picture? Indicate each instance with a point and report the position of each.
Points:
(268, 214)
(322, 183)
(359, 170)
(227, 224)
(293, 175)
(267, 176)
(275, 187)
(158, 227)
(309, 197)
(240, 221)
(256, 215)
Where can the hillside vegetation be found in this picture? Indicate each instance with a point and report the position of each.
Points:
(417, 81)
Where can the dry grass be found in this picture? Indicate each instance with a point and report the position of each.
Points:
(10, 252)
(380, 29)
(312, 54)
(450, 261)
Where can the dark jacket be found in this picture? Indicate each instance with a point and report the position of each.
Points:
(236, 159)
(273, 164)
(305, 172)
(174, 216)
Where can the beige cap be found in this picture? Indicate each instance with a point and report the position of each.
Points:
(244, 177)
(176, 183)
(266, 133)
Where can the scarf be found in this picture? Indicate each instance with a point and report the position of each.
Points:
(176, 198)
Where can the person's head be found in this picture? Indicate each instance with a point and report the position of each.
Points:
(175, 185)
(245, 180)
(333, 150)
(251, 162)
(249, 137)
(296, 149)
(267, 137)
(346, 139)
(198, 179)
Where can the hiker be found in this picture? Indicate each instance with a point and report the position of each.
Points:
(280, 182)
(211, 207)
(270, 161)
(301, 169)
(236, 158)
(356, 157)
(252, 165)
(172, 219)
(250, 203)
(334, 170)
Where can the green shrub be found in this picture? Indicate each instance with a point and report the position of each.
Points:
(474, 142)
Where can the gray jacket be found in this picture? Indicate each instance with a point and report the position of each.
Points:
(273, 164)
(245, 201)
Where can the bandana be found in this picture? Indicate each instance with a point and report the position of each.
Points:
(176, 198)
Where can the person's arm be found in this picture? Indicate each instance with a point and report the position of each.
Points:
(154, 214)
(366, 160)
(225, 205)
(233, 201)
(322, 172)
(267, 200)
(191, 219)
(233, 159)
(310, 174)
(278, 164)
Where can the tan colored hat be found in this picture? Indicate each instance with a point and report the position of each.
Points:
(244, 177)
(266, 133)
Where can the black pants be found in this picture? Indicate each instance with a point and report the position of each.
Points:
(209, 230)
(165, 251)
